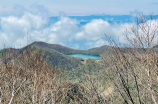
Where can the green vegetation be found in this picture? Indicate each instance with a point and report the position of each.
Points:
(56, 47)
(66, 50)
(90, 67)
(56, 55)
(59, 60)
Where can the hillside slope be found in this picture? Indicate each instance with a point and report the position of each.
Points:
(66, 50)
(55, 54)
(56, 47)
(54, 58)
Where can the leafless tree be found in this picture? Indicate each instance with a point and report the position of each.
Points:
(133, 70)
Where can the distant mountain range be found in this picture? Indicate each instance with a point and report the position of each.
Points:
(65, 50)
(56, 54)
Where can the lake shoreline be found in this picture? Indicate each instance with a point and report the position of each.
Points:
(84, 56)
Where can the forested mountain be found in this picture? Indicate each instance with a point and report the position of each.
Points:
(66, 50)
(56, 47)
(54, 54)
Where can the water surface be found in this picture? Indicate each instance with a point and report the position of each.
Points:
(85, 56)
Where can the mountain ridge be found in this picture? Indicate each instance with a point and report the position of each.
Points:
(57, 55)
(66, 50)
(54, 54)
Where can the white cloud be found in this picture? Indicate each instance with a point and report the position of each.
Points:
(94, 30)
(97, 43)
(17, 30)
(100, 42)
(33, 25)
(62, 31)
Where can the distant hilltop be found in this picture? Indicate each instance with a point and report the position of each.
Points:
(54, 54)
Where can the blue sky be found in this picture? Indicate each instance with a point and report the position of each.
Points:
(86, 7)
(22, 22)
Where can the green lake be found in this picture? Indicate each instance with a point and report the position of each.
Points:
(85, 56)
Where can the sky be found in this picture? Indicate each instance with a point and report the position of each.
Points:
(85, 7)
(26, 21)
